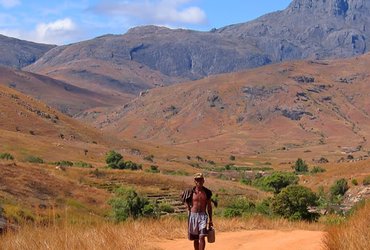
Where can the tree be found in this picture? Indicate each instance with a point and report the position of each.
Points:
(300, 166)
(293, 202)
(114, 159)
(127, 203)
(276, 181)
(339, 188)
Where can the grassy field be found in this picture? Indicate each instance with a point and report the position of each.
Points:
(129, 235)
(353, 234)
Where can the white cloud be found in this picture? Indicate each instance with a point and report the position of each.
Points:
(155, 11)
(55, 32)
(9, 3)
(11, 33)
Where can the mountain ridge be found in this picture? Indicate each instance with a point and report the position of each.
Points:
(306, 29)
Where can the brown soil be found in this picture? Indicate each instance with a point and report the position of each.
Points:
(258, 239)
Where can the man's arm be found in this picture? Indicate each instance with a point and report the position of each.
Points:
(209, 211)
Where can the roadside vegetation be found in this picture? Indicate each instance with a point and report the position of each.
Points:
(352, 233)
(132, 221)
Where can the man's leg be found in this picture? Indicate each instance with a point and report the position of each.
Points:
(196, 244)
(202, 242)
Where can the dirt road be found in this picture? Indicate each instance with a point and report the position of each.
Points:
(259, 239)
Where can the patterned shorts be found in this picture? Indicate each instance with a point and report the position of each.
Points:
(197, 225)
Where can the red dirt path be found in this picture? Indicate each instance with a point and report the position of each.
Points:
(258, 239)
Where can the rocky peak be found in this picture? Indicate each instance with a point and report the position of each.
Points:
(147, 29)
(338, 8)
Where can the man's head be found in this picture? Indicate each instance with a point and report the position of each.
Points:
(199, 179)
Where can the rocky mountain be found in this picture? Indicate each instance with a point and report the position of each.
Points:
(149, 56)
(312, 108)
(18, 53)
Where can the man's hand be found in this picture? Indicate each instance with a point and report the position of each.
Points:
(210, 224)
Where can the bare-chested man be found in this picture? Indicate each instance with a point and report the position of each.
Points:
(198, 200)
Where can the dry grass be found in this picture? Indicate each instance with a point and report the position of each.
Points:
(138, 235)
(354, 234)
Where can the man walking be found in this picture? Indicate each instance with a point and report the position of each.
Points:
(198, 201)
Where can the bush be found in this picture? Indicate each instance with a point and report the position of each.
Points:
(354, 182)
(82, 164)
(317, 169)
(153, 169)
(264, 207)
(276, 181)
(114, 159)
(232, 158)
(63, 163)
(300, 166)
(6, 156)
(132, 165)
(293, 202)
(246, 181)
(366, 180)
(239, 207)
(34, 159)
(128, 204)
(339, 188)
(166, 207)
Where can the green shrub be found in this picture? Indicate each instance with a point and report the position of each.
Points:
(239, 207)
(276, 181)
(300, 166)
(114, 159)
(132, 165)
(339, 188)
(246, 181)
(354, 182)
(82, 164)
(128, 204)
(232, 158)
(153, 169)
(6, 156)
(317, 169)
(366, 180)
(166, 207)
(34, 159)
(63, 163)
(264, 207)
(231, 213)
(293, 202)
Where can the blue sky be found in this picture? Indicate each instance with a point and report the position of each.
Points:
(67, 21)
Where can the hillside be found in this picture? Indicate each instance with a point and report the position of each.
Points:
(17, 53)
(58, 94)
(315, 108)
(31, 128)
(149, 56)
